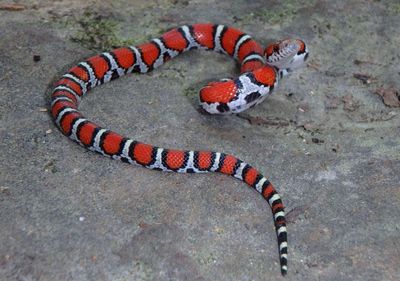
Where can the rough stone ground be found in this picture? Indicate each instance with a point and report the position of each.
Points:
(329, 144)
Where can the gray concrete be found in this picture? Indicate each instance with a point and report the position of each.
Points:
(69, 214)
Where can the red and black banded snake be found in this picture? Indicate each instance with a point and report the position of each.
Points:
(260, 72)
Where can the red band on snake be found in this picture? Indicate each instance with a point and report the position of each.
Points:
(261, 70)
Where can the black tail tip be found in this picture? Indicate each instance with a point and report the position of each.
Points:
(283, 271)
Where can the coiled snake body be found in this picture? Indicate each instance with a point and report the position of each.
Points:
(261, 70)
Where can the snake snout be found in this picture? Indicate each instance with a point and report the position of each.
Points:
(286, 54)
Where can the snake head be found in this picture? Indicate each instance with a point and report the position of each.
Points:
(287, 54)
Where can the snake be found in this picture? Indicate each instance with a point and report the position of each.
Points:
(260, 69)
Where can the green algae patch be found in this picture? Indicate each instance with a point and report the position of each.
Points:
(99, 33)
(394, 8)
(283, 12)
(190, 92)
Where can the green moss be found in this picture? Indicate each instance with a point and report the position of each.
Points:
(285, 11)
(98, 33)
(274, 17)
(190, 92)
(207, 259)
(394, 8)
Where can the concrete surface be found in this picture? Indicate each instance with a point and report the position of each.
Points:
(329, 144)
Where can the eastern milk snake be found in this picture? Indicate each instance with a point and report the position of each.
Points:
(260, 72)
